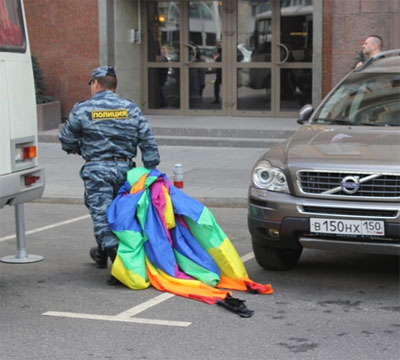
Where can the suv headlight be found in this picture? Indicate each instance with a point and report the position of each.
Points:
(265, 176)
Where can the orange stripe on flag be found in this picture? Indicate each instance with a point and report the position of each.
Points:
(139, 185)
(244, 285)
(192, 289)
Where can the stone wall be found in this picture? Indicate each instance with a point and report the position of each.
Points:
(64, 36)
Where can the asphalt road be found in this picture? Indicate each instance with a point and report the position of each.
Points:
(332, 306)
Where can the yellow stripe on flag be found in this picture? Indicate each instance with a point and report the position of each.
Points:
(169, 210)
(129, 278)
(228, 260)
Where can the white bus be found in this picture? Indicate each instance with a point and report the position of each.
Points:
(21, 179)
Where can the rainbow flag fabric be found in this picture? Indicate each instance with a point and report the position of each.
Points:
(172, 242)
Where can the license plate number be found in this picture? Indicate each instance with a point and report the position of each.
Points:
(347, 227)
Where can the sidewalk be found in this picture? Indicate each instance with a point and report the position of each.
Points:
(216, 176)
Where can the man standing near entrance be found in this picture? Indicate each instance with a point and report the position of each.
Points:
(218, 73)
(372, 46)
(106, 130)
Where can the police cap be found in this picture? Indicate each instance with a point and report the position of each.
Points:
(101, 72)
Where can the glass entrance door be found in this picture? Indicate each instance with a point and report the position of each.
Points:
(274, 56)
(204, 39)
(232, 57)
(184, 64)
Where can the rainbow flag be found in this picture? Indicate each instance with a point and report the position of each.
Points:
(172, 242)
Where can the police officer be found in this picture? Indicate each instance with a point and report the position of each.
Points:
(106, 130)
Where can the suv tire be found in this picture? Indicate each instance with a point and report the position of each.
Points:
(272, 258)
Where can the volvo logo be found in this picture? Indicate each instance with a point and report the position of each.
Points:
(350, 184)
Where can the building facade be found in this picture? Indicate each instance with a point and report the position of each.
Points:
(189, 57)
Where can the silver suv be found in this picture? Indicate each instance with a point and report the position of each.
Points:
(335, 184)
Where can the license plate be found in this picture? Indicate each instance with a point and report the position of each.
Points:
(347, 227)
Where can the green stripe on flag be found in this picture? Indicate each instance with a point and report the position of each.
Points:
(133, 257)
(206, 230)
(199, 273)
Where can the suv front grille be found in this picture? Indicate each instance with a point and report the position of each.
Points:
(357, 184)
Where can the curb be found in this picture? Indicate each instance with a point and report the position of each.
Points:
(205, 200)
(200, 141)
(59, 200)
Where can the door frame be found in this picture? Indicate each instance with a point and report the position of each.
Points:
(187, 65)
(229, 65)
(183, 64)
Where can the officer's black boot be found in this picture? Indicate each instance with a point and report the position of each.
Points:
(112, 253)
(99, 256)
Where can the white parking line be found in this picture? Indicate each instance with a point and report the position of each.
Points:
(33, 231)
(247, 257)
(146, 305)
(127, 316)
(116, 318)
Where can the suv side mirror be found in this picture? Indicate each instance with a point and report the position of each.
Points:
(305, 113)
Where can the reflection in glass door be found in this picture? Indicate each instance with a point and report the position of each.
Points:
(254, 42)
(205, 48)
(274, 74)
(163, 55)
(295, 62)
(234, 57)
(183, 61)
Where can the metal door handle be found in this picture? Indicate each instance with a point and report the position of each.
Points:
(287, 53)
(194, 54)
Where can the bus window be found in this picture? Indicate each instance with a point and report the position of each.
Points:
(11, 26)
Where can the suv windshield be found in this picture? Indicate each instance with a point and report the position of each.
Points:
(369, 99)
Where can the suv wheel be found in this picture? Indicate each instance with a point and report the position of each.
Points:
(272, 258)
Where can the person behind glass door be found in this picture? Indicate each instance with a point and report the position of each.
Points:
(163, 75)
(218, 73)
(156, 77)
(197, 81)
